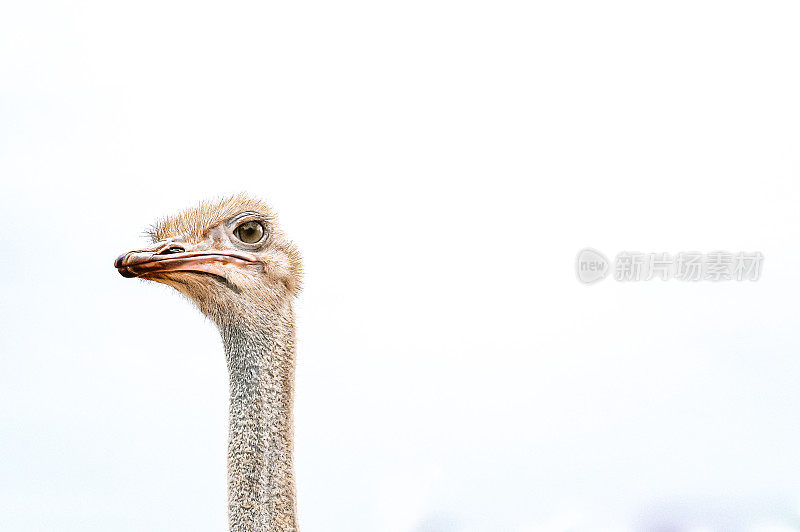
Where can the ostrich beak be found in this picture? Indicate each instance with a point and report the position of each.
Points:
(170, 256)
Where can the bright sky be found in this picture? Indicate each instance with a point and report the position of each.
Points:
(440, 165)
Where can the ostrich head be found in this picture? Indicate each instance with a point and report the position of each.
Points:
(229, 257)
(232, 260)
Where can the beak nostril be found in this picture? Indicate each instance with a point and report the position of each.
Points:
(173, 248)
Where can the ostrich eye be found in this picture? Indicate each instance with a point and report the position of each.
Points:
(249, 232)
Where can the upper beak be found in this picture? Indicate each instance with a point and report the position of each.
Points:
(166, 257)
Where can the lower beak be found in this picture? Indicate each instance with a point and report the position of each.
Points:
(147, 264)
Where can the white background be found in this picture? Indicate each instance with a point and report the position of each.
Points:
(439, 165)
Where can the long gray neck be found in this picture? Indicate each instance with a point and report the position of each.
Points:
(261, 362)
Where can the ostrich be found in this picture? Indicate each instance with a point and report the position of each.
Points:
(232, 260)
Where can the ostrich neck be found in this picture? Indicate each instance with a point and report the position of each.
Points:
(261, 361)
